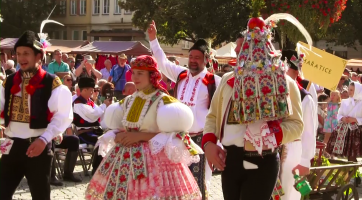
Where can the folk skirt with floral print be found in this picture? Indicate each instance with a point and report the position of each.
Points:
(128, 173)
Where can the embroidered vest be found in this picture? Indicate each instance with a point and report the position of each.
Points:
(209, 81)
(17, 109)
(78, 120)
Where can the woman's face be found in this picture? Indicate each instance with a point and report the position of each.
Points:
(141, 79)
(351, 91)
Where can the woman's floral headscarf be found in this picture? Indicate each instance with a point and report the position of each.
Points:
(148, 63)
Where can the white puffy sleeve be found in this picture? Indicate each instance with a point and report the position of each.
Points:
(113, 120)
(173, 120)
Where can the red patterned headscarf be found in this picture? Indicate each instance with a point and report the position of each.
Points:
(148, 63)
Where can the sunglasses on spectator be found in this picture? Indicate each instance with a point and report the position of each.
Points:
(68, 79)
(96, 90)
(72, 61)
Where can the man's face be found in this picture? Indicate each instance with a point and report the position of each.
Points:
(27, 58)
(71, 63)
(238, 42)
(122, 61)
(87, 92)
(108, 64)
(354, 77)
(57, 56)
(227, 69)
(65, 57)
(346, 73)
(196, 61)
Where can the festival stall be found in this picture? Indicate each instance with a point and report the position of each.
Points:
(355, 65)
(134, 48)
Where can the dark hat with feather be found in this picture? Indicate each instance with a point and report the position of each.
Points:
(28, 39)
(201, 45)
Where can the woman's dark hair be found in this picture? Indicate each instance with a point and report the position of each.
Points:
(107, 86)
(352, 83)
(322, 97)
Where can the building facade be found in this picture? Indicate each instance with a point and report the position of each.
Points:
(101, 20)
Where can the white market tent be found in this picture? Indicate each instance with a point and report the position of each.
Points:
(227, 51)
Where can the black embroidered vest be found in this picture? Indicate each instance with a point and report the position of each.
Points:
(39, 111)
(78, 120)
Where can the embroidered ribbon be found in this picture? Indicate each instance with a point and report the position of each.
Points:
(185, 137)
(3, 148)
(342, 132)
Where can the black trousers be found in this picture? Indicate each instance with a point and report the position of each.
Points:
(239, 183)
(88, 138)
(16, 165)
(70, 142)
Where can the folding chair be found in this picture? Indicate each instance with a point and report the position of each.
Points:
(83, 154)
(57, 163)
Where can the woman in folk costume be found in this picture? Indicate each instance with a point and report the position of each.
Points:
(255, 109)
(346, 139)
(152, 151)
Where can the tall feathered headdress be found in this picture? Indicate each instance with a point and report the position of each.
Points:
(43, 42)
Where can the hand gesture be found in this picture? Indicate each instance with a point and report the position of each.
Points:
(127, 138)
(344, 119)
(36, 148)
(303, 171)
(152, 31)
(215, 156)
(107, 102)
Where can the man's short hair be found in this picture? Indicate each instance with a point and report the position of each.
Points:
(58, 50)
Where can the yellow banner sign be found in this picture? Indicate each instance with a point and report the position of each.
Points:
(320, 67)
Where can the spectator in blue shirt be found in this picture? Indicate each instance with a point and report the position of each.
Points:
(118, 76)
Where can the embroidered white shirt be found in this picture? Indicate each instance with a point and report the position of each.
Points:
(191, 90)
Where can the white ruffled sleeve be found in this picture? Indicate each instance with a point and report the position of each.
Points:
(173, 120)
(113, 119)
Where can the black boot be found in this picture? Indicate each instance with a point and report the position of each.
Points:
(69, 164)
(97, 159)
(53, 179)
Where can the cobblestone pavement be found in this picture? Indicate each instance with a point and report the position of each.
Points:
(75, 191)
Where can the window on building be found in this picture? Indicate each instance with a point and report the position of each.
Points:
(65, 35)
(84, 35)
(96, 6)
(83, 7)
(96, 38)
(117, 8)
(62, 7)
(105, 6)
(75, 35)
(73, 7)
(128, 12)
(185, 44)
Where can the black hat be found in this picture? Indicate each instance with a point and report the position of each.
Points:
(288, 54)
(200, 45)
(27, 40)
(86, 82)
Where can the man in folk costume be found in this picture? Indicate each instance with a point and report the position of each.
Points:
(255, 109)
(194, 87)
(36, 108)
(297, 155)
(87, 116)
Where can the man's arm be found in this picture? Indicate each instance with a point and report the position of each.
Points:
(309, 132)
(88, 113)
(60, 105)
(111, 74)
(170, 69)
(292, 126)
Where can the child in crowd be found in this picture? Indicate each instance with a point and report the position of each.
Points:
(330, 123)
(322, 111)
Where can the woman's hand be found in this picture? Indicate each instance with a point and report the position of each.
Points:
(351, 120)
(127, 138)
(344, 119)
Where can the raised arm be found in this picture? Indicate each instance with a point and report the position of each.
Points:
(170, 69)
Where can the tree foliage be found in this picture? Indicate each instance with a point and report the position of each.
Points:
(191, 19)
(20, 16)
